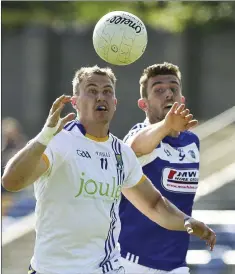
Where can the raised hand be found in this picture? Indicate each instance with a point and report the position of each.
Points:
(202, 231)
(55, 111)
(179, 118)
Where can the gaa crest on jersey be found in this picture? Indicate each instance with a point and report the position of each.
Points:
(192, 154)
(180, 180)
(119, 161)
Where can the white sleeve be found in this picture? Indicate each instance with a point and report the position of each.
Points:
(133, 131)
(55, 153)
(133, 169)
(148, 158)
(145, 159)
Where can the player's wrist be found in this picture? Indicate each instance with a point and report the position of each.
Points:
(46, 134)
(166, 127)
(186, 218)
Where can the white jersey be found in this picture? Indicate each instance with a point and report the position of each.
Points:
(77, 211)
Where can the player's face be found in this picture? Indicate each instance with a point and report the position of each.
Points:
(163, 91)
(96, 101)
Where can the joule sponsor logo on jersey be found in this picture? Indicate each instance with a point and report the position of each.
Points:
(90, 188)
(180, 180)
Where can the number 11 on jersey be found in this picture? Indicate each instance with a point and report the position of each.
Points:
(104, 163)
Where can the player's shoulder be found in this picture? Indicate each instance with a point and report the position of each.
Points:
(74, 128)
(66, 132)
(125, 151)
(188, 137)
(68, 129)
(134, 130)
(124, 148)
(138, 126)
(191, 135)
(60, 141)
(117, 140)
(71, 126)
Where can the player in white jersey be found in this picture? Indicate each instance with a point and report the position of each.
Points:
(79, 170)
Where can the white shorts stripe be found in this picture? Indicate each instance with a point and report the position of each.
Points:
(132, 258)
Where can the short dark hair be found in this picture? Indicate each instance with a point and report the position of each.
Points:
(87, 71)
(154, 70)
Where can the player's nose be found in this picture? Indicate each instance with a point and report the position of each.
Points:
(100, 96)
(169, 93)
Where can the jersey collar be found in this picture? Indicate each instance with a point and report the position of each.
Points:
(83, 131)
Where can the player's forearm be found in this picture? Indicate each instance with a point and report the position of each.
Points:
(147, 139)
(20, 169)
(168, 215)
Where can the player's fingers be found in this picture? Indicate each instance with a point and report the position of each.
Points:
(189, 230)
(65, 120)
(191, 124)
(56, 115)
(206, 234)
(62, 99)
(180, 108)
(188, 117)
(213, 242)
(56, 104)
(66, 100)
(174, 107)
(68, 118)
(188, 227)
(185, 113)
(211, 238)
(210, 245)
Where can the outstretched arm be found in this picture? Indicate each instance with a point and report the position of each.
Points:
(150, 202)
(30, 163)
(148, 138)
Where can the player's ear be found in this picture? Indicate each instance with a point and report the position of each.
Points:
(142, 104)
(183, 100)
(74, 102)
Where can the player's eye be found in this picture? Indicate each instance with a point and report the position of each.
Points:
(159, 90)
(174, 90)
(92, 91)
(108, 91)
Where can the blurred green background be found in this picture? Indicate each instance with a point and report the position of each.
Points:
(174, 16)
(44, 43)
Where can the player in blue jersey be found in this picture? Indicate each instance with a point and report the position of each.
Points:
(169, 155)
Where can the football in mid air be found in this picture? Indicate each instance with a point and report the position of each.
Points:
(120, 38)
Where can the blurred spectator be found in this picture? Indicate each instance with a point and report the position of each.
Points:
(13, 139)
(13, 204)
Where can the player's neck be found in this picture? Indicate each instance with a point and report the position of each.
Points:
(96, 129)
(174, 134)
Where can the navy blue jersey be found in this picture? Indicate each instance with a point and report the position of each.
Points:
(173, 167)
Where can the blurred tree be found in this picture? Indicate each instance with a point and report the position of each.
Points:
(174, 15)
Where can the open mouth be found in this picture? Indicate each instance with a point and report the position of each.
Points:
(101, 108)
(168, 106)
